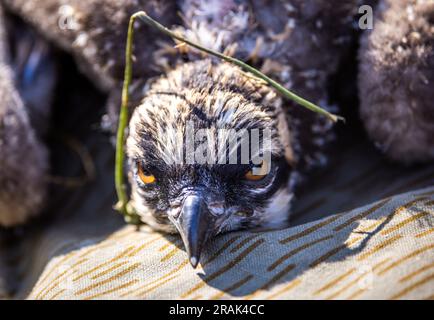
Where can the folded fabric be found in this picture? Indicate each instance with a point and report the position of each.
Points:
(384, 250)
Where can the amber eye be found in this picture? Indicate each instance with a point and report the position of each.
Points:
(146, 177)
(260, 173)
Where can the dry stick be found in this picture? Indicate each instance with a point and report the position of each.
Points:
(122, 204)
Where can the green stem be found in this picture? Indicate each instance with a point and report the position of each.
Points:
(122, 205)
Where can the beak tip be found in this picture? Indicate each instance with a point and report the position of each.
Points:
(194, 261)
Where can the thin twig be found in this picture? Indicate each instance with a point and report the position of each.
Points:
(122, 205)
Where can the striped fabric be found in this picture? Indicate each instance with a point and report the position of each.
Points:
(384, 250)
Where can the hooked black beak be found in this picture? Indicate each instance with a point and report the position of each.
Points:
(195, 224)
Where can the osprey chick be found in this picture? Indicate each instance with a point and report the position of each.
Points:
(170, 193)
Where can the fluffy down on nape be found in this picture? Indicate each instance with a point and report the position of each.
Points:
(396, 77)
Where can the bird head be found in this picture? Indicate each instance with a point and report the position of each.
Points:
(209, 152)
